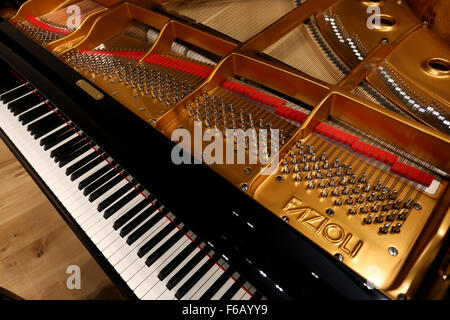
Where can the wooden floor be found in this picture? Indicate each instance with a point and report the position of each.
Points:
(36, 245)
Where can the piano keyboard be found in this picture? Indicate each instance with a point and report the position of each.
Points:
(157, 256)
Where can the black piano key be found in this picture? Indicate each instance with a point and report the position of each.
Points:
(25, 103)
(139, 219)
(217, 285)
(70, 149)
(178, 276)
(46, 129)
(45, 125)
(131, 213)
(99, 192)
(233, 289)
(189, 283)
(178, 259)
(63, 160)
(116, 195)
(66, 145)
(81, 163)
(122, 202)
(256, 296)
(98, 174)
(155, 255)
(14, 94)
(74, 176)
(100, 182)
(49, 141)
(27, 117)
(145, 227)
(51, 118)
(150, 244)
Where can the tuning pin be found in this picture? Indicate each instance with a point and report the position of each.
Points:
(379, 218)
(357, 189)
(332, 183)
(393, 195)
(325, 165)
(298, 177)
(323, 157)
(353, 210)
(336, 163)
(316, 166)
(349, 200)
(384, 229)
(345, 190)
(367, 187)
(409, 204)
(378, 186)
(387, 206)
(391, 217)
(349, 171)
(322, 184)
(335, 192)
(310, 185)
(352, 180)
(375, 207)
(361, 198)
(306, 167)
(403, 215)
(324, 193)
(338, 201)
(363, 178)
(396, 228)
(364, 209)
(368, 219)
(398, 204)
(371, 198)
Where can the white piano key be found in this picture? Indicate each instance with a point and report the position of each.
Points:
(126, 250)
(223, 289)
(207, 284)
(239, 294)
(144, 280)
(131, 270)
(201, 282)
(170, 294)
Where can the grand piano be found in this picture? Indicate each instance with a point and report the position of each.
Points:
(357, 204)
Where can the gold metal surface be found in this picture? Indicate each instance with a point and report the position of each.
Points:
(90, 90)
(352, 22)
(421, 47)
(363, 248)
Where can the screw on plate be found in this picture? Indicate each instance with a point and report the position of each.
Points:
(244, 187)
(285, 219)
(279, 178)
(339, 256)
(393, 251)
(329, 212)
(417, 206)
(248, 170)
(152, 121)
